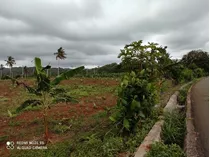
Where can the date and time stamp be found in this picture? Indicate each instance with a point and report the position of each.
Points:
(25, 145)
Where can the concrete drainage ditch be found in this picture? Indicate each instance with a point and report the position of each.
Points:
(154, 134)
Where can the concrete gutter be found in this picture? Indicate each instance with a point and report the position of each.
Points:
(154, 134)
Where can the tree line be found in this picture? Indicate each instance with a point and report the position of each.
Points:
(134, 57)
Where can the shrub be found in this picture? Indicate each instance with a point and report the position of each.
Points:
(187, 75)
(173, 130)
(198, 72)
(182, 96)
(161, 150)
(136, 98)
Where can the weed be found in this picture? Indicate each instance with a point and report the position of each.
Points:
(3, 99)
(183, 95)
(161, 150)
(59, 128)
(173, 130)
(4, 138)
(14, 123)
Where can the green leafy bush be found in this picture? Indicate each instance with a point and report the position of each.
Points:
(60, 129)
(182, 97)
(161, 150)
(198, 72)
(173, 130)
(187, 75)
(136, 97)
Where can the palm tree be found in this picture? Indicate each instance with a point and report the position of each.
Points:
(1, 68)
(10, 62)
(60, 54)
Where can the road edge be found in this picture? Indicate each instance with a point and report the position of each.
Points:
(191, 146)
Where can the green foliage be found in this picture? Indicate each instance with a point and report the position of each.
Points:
(136, 97)
(182, 96)
(60, 95)
(187, 75)
(173, 130)
(161, 150)
(59, 128)
(112, 146)
(151, 57)
(66, 75)
(25, 104)
(199, 58)
(198, 72)
(4, 138)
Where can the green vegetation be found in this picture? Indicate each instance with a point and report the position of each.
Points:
(43, 89)
(174, 129)
(161, 150)
(148, 76)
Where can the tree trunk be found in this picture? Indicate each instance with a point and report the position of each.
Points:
(58, 68)
(22, 73)
(1, 74)
(11, 72)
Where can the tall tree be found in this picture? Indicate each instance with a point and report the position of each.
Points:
(151, 57)
(196, 57)
(10, 62)
(1, 68)
(60, 54)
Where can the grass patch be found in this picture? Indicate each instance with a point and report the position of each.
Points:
(174, 129)
(95, 136)
(59, 128)
(182, 97)
(79, 91)
(3, 99)
(14, 123)
(4, 138)
(161, 150)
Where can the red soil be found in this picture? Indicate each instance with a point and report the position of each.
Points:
(85, 108)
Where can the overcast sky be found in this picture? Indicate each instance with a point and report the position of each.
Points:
(92, 32)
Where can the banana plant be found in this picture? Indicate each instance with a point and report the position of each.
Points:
(44, 87)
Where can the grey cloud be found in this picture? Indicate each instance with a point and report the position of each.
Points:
(93, 32)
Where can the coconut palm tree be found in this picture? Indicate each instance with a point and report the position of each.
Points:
(10, 62)
(1, 68)
(60, 54)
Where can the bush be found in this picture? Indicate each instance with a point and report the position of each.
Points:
(187, 75)
(182, 97)
(198, 72)
(136, 98)
(161, 150)
(173, 130)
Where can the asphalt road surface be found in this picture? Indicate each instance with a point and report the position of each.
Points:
(200, 106)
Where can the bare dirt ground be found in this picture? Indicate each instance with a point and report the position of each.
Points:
(200, 107)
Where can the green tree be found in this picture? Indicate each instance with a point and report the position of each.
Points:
(151, 57)
(197, 57)
(10, 62)
(138, 91)
(60, 54)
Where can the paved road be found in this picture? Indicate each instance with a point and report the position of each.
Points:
(200, 106)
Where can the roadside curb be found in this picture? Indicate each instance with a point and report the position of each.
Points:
(191, 138)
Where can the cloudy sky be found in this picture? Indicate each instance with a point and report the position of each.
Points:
(92, 32)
